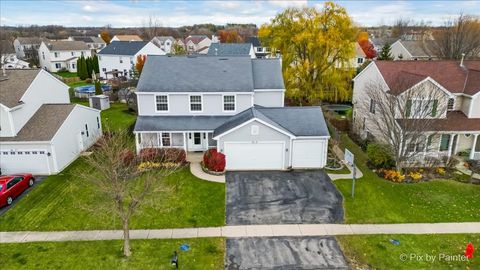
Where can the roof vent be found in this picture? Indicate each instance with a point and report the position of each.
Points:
(223, 59)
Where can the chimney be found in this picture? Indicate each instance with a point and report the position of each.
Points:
(461, 61)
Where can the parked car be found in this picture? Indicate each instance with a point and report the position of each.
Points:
(11, 186)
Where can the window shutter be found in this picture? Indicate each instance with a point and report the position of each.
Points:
(434, 108)
(408, 107)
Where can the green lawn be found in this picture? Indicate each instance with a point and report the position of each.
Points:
(379, 201)
(377, 252)
(204, 253)
(66, 74)
(343, 170)
(118, 117)
(78, 83)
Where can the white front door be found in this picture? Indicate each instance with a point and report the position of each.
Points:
(196, 141)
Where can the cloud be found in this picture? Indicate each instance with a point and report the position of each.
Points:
(89, 8)
(285, 4)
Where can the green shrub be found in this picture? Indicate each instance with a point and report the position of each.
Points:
(379, 155)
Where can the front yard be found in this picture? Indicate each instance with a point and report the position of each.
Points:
(379, 201)
(204, 253)
(377, 252)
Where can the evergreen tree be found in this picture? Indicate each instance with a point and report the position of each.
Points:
(96, 68)
(98, 88)
(84, 68)
(385, 54)
(89, 63)
(79, 68)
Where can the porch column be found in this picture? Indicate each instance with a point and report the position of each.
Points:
(137, 145)
(472, 153)
(450, 144)
(206, 136)
(185, 141)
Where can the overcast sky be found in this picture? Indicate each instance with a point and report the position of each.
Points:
(177, 13)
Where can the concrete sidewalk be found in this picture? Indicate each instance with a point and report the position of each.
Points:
(246, 231)
(196, 169)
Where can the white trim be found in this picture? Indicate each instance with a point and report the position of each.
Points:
(259, 142)
(25, 142)
(361, 72)
(190, 103)
(172, 131)
(180, 92)
(400, 42)
(234, 103)
(268, 90)
(155, 103)
(313, 137)
(250, 121)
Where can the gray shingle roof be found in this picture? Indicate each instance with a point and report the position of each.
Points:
(31, 40)
(88, 39)
(229, 49)
(179, 123)
(44, 124)
(16, 84)
(267, 74)
(64, 45)
(255, 41)
(419, 48)
(209, 74)
(298, 121)
(123, 47)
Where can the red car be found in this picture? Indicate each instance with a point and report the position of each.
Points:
(11, 186)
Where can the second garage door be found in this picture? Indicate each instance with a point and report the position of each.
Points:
(255, 156)
(309, 153)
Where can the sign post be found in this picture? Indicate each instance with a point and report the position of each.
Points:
(350, 159)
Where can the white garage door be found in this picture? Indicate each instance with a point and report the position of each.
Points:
(24, 161)
(309, 153)
(254, 156)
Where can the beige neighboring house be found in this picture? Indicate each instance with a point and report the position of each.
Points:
(360, 56)
(126, 38)
(62, 55)
(456, 129)
(197, 44)
(413, 50)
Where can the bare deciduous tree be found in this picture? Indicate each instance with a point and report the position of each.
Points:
(404, 117)
(461, 35)
(116, 173)
(151, 28)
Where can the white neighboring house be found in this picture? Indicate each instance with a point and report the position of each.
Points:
(234, 104)
(12, 62)
(119, 57)
(413, 50)
(197, 44)
(456, 130)
(41, 132)
(164, 42)
(94, 43)
(62, 55)
(26, 47)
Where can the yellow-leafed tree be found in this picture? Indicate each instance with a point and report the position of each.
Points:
(317, 51)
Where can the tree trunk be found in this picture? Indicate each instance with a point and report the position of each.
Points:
(126, 238)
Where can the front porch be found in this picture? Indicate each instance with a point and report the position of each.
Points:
(190, 141)
(466, 145)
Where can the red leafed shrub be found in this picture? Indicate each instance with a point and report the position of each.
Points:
(214, 161)
(175, 155)
(127, 156)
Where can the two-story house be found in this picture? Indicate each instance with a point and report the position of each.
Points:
(126, 38)
(234, 104)
(231, 49)
(454, 86)
(27, 47)
(164, 42)
(62, 55)
(94, 43)
(40, 131)
(197, 44)
(119, 57)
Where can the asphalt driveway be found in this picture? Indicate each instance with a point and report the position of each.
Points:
(277, 197)
(284, 253)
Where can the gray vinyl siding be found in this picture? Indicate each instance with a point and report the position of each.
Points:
(265, 133)
(179, 104)
(269, 98)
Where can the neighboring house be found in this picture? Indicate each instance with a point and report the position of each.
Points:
(126, 38)
(164, 42)
(360, 56)
(378, 43)
(94, 43)
(413, 50)
(9, 58)
(62, 55)
(26, 47)
(260, 51)
(231, 49)
(120, 57)
(234, 104)
(197, 44)
(458, 86)
(41, 132)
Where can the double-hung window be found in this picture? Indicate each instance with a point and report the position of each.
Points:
(162, 103)
(372, 106)
(229, 103)
(166, 139)
(195, 103)
(451, 104)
